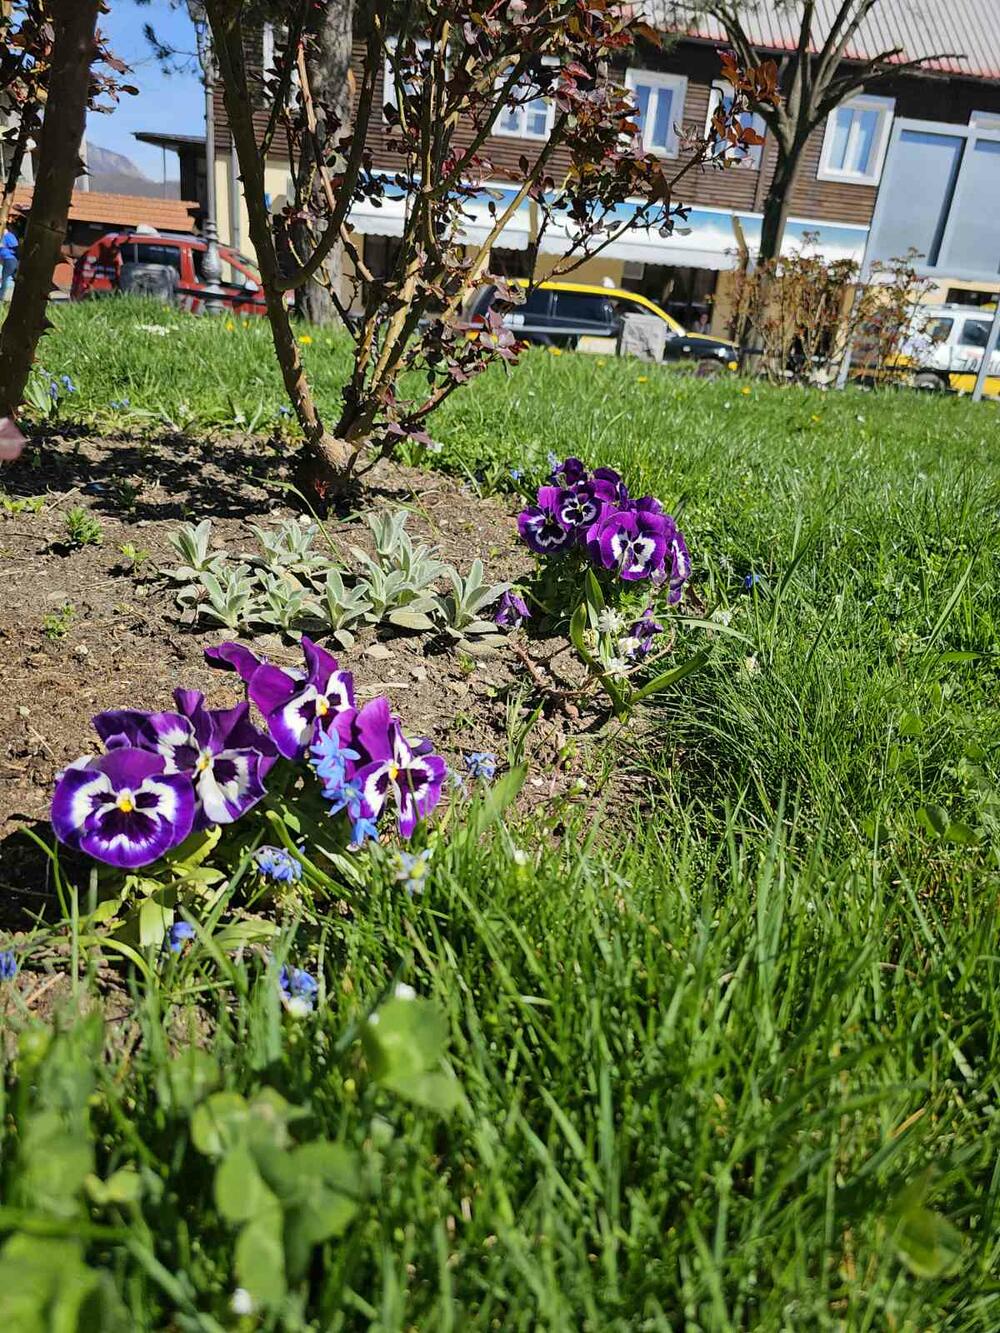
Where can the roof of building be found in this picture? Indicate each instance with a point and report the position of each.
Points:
(123, 210)
(960, 36)
(174, 141)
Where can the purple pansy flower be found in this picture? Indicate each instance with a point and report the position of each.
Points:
(608, 485)
(644, 631)
(290, 700)
(540, 526)
(578, 506)
(220, 749)
(393, 770)
(512, 611)
(633, 542)
(568, 473)
(122, 807)
(679, 561)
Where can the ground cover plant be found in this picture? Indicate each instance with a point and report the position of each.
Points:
(706, 1016)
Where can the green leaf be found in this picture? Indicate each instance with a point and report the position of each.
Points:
(911, 724)
(668, 678)
(260, 1257)
(405, 1041)
(934, 819)
(577, 625)
(498, 797)
(154, 922)
(594, 594)
(239, 1191)
(219, 1123)
(188, 1078)
(123, 1187)
(415, 620)
(928, 1244)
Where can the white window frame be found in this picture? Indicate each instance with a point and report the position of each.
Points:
(522, 131)
(747, 159)
(885, 106)
(677, 84)
(985, 120)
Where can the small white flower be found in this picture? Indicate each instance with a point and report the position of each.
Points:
(618, 667)
(519, 856)
(721, 616)
(609, 622)
(404, 992)
(241, 1302)
(628, 647)
(751, 666)
(298, 1006)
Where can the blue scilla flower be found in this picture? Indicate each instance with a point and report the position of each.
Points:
(363, 829)
(53, 390)
(481, 764)
(277, 864)
(516, 474)
(412, 869)
(329, 760)
(67, 383)
(298, 991)
(8, 965)
(284, 411)
(751, 581)
(179, 934)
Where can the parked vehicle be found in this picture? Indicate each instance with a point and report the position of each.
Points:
(944, 349)
(98, 271)
(576, 314)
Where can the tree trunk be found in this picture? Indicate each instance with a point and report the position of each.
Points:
(778, 203)
(327, 459)
(73, 53)
(328, 61)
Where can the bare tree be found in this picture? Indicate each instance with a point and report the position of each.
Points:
(813, 81)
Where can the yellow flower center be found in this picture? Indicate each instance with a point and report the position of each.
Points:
(125, 803)
(393, 772)
(322, 706)
(204, 761)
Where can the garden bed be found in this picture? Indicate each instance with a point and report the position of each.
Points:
(89, 627)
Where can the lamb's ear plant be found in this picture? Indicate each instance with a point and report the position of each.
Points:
(339, 607)
(284, 603)
(462, 609)
(289, 547)
(230, 597)
(388, 531)
(394, 597)
(192, 542)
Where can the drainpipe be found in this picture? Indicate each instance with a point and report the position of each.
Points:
(234, 197)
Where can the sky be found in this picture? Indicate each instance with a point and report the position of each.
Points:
(166, 102)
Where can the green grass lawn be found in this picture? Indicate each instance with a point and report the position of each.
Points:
(729, 1046)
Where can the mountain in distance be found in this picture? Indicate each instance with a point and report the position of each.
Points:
(114, 173)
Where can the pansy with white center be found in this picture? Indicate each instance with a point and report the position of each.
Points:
(122, 807)
(392, 770)
(224, 754)
(632, 542)
(578, 506)
(291, 700)
(540, 526)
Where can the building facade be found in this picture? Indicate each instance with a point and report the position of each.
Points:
(677, 90)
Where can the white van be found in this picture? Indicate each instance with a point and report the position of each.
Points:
(945, 349)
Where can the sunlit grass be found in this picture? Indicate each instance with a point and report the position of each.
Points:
(714, 1021)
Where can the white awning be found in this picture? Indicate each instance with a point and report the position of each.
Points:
(387, 220)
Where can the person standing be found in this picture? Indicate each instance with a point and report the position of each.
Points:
(9, 246)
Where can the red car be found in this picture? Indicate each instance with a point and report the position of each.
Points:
(98, 270)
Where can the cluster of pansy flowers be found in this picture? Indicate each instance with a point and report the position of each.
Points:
(593, 513)
(166, 775)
